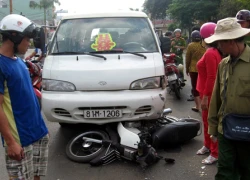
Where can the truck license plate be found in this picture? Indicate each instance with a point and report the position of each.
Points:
(102, 113)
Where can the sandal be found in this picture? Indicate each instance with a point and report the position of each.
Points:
(195, 109)
(191, 98)
(209, 160)
(203, 150)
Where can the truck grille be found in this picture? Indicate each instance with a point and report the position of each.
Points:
(143, 110)
(62, 112)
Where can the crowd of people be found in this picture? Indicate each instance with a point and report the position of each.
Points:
(217, 61)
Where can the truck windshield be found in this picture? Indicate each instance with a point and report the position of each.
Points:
(104, 34)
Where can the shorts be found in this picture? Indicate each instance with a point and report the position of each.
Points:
(34, 163)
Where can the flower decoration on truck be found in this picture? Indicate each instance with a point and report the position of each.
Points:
(103, 42)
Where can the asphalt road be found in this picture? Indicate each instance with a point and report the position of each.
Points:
(187, 166)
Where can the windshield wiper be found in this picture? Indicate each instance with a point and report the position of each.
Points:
(120, 51)
(67, 53)
(137, 54)
(78, 53)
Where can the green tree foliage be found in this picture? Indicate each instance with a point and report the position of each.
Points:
(156, 8)
(229, 8)
(245, 4)
(44, 4)
(187, 12)
(172, 26)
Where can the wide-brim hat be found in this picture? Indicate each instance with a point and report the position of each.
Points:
(227, 29)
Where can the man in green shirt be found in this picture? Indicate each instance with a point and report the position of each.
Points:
(243, 17)
(231, 94)
(178, 44)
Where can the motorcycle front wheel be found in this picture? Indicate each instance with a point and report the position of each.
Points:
(81, 151)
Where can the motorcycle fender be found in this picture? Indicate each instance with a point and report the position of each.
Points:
(175, 133)
(171, 83)
(127, 137)
(38, 93)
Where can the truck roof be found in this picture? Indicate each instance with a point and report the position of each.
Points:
(106, 14)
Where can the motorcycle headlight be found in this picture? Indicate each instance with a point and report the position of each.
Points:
(148, 83)
(55, 85)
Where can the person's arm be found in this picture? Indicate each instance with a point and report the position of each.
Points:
(214, 107)
(188, 58)
(4, 125)
(40, 57)
(211, 70)
(14, 150)
(211, 61)
(183, 46)
(172, 45)
(31, 55)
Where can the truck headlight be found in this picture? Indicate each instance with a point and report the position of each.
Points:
(55, 85)
(148, 83)
(164, 82)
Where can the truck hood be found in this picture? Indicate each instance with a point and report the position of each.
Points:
(94, 73)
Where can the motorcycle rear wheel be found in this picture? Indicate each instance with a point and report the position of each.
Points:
(80, 151)
(177, 91)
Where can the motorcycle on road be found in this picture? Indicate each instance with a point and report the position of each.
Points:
(35, 71)
(136, 141)
(173, 74)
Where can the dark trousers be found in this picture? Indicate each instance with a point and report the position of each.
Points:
(194, 77)
(234, 160)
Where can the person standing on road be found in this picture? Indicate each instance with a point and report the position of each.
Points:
(230, 96)
(22, 127)
(243, 18)
(197, 28)
(207, 68)
(169, 34)
(194, 53)
(178, 44)
(165, 44)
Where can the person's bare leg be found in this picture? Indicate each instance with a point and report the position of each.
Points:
(197, 101)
